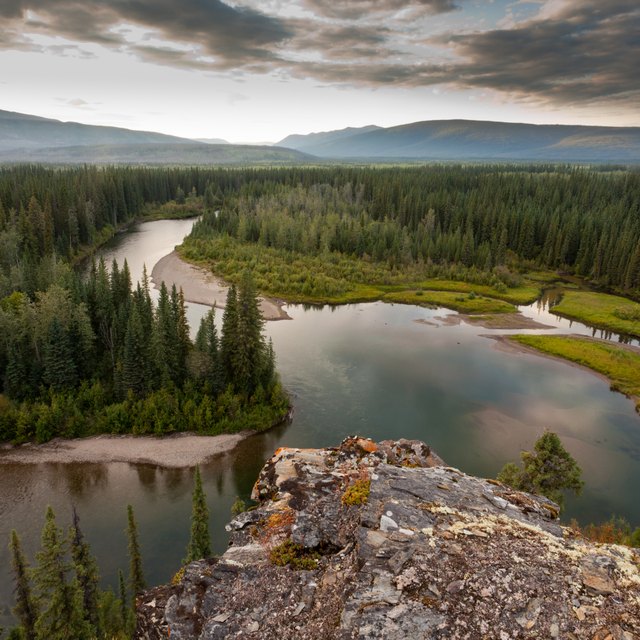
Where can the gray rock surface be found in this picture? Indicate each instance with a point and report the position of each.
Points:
(430, 553)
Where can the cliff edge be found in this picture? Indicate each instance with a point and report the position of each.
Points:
(382, 540)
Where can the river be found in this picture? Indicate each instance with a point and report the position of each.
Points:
(380, 370)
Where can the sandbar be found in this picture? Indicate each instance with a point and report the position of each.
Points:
(202, 287)
(175, 451)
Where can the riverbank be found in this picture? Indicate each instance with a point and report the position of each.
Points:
(202, 287)
(175, 451)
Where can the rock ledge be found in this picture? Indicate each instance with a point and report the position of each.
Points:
(420, 550)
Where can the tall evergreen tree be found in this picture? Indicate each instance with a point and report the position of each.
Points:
(136, 577)
(200, 541)
(62, 614)
(134, 355)
(229, 338)
(59, 366)
(86, 570)
(249, 353)
(122, 593)
(25, 609)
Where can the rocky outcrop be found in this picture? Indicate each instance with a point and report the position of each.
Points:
(384, 541)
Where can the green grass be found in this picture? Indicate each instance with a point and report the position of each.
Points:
(601, 310)
(621, 366)
(524, 294)
(463, 303)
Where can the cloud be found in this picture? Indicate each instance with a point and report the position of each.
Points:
(354, 9)
(584, 52)
(568, 53)
(231, 35)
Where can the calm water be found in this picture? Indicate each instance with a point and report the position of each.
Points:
(384, 371)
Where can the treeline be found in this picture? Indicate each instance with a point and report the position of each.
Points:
(582, 221)
(97, 356)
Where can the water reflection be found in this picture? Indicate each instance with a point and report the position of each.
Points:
(385, 371)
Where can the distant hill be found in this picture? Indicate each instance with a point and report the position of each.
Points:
(159, 154)
(211, 140)
(26, 138)
(470, 139)
(21, 131)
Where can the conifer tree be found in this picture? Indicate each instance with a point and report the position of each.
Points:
(548, 470)
(86, 570)
(59, 367)
(200, 541)
(122, 593)
(136, 577)
(248, 355)
(62, 614)
(25, 609)
(229, 337)
(134, 356)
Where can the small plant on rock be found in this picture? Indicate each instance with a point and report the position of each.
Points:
(357, 493)
(294, 555)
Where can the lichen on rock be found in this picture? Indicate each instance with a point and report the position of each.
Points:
(431, 553)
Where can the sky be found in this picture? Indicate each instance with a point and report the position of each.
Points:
(259, 70)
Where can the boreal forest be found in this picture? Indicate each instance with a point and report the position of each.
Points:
(84, 350)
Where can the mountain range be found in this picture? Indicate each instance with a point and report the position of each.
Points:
(473, 140)
(27, 138)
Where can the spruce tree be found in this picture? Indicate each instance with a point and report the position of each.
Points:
(62, 614)
(229, 337)
(134, 357)
(548, 470)
(59, 366)
(86, 570)
(250, 350)
(122, 593)
(25, 609)
(136, 577)
(200, 541)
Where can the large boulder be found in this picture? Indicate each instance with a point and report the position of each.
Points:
(382, 540)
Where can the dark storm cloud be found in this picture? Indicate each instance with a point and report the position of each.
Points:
(231, 35)
(353, 9)
(585, 52)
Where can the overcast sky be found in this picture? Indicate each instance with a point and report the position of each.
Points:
(258, 70)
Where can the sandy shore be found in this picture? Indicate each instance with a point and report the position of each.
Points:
(202, 287)
(180, 450)
(496, 321)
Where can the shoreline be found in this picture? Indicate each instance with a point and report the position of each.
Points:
(505, 344)
(176, 451)
(202, 287)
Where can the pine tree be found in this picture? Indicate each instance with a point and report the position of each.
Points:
(547, 471)
(62, 614)
(86, 570)
(25, 609)
(229, 337)
(136, 577)
(249, 353)
(122, 593)
(134, 356)
(200, 542)
(59, 366)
